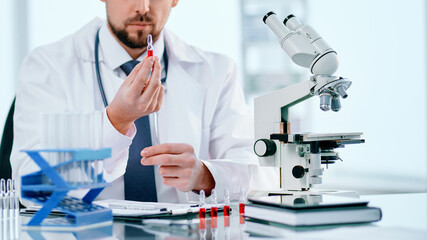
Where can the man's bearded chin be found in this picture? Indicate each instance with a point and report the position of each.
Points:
(131, 42)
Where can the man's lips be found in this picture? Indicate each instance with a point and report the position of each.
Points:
(138, 25)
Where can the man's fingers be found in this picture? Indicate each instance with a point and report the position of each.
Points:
(160, 98)
(175, 171)
(156, 73)
(141, 77)
(166, 148)
(154, 83)
(134, 72)
(179, 183)
(164, 159)
(150, 102)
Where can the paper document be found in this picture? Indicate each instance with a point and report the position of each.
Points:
(125, 208)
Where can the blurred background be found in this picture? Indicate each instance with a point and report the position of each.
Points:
(381, 46)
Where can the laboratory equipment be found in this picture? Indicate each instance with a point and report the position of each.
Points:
(299, 156)
(214, 208)
(226, 202)
(9, 210)
(242, 201)
(202, 203)
(150, 48)
(72, 159)
(72, 130)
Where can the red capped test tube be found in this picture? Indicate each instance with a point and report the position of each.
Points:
(242, 201)
(214, 208)
(150, 48)
(202, 209)
(226, 203)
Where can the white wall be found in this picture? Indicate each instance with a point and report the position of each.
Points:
(210, 25)
(51, 20)
(382, 49)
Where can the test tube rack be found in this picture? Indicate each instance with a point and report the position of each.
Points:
(80, 213)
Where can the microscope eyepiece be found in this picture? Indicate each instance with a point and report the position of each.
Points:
(268, 15)
(287, 18)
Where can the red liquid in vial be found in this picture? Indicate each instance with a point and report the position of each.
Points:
(226, 221)
(202, 223)
(214, 223)
(202, 212)
(241, 208)
(149, 53)
(214, 212)
(242, 219)
(226, 210)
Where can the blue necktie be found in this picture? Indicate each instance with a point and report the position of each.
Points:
(140, 183)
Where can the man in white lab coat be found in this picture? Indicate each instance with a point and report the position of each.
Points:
(204, 129)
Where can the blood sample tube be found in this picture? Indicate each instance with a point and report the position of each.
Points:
(214, 208)
(226, 203)
(242, 201)
(150, 49)
(202, 209)
(150, 53)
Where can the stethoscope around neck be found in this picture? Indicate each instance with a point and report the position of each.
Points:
(101, 87)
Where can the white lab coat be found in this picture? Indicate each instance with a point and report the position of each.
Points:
(203, 106)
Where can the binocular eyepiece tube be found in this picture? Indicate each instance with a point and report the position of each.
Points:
(276, 26)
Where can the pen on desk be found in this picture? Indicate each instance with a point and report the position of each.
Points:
(135, 207)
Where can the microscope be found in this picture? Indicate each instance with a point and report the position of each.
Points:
(299, 156)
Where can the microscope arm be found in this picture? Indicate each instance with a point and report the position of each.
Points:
(272, 109)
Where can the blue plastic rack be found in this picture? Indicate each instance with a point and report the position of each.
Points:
(52, 194)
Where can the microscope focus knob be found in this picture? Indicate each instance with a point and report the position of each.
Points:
(264, 147)
(298, 171)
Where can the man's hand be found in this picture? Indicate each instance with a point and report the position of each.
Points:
(139, 95)
(179, 167)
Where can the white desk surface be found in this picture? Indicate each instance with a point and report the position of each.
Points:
(404, 217)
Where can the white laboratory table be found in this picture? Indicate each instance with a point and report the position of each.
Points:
(404, 217)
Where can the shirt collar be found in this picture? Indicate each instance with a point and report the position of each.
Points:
(115, 55)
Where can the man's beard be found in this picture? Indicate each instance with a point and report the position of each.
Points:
(123, 35)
